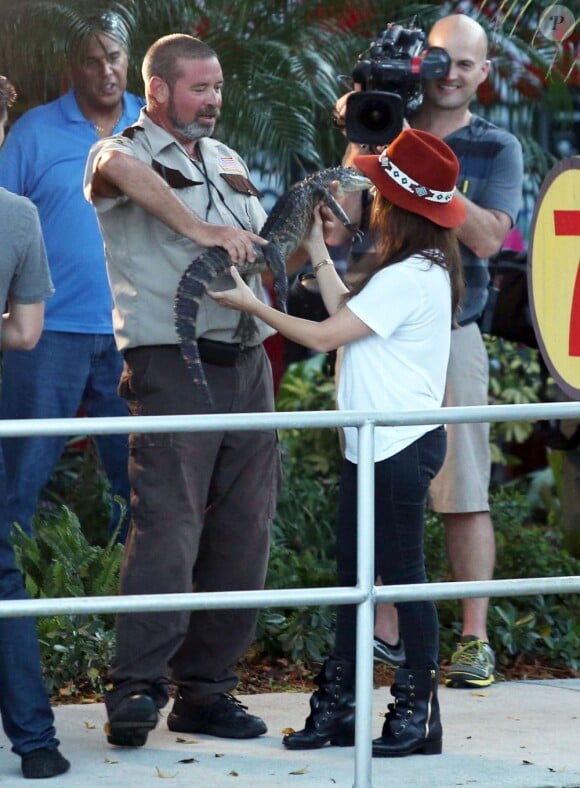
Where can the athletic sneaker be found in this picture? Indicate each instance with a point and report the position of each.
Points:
(394, 656)
(472, 665)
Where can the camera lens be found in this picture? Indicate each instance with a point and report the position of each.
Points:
(375, 116)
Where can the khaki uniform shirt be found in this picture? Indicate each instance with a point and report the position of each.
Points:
(146, 259)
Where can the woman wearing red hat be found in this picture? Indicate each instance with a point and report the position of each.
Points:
(395, 327)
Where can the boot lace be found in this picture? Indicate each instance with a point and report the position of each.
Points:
(232, 700)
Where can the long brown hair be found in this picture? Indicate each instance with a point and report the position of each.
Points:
(399, 234)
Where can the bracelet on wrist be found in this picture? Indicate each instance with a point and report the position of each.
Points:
(326, 261)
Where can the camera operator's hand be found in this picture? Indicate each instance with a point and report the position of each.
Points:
(335, 233)
(339, 114)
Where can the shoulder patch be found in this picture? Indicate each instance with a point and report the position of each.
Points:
(175, 178)
(241, 184)
(130, 131)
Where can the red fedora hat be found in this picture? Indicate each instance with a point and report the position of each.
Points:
(418, 172)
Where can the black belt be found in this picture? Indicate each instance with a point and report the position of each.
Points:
(221, 354)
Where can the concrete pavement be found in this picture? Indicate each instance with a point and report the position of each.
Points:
(523, 734)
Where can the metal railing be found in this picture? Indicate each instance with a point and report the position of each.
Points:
(365, 594)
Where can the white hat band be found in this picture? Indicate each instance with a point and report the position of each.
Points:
(406, 182)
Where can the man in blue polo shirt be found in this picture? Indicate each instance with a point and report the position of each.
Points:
(76, 361)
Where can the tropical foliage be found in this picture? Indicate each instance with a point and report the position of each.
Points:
(60, 562)
(529, 542)
(282, 60)
(63, 561)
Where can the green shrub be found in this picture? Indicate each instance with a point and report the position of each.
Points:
(306, 386)
(545, 626)
(60, 562)
(302, 554)
(514, 379)
(80, 483)
(542, 626)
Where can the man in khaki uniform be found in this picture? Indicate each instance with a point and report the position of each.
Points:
(202, 503)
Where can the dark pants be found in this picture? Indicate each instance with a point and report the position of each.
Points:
(401, 485)
(202, 506)
(27, 717)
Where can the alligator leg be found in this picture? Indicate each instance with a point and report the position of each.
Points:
(338, 211)
(277, 264)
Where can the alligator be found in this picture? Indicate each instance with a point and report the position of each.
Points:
(288, 223)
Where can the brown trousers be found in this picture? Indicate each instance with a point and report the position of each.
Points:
(202, 506)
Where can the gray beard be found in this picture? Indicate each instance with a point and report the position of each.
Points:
(191, 131)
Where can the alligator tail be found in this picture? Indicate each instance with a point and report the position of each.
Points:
(203, 270)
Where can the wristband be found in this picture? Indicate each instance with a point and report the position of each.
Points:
(326, 261)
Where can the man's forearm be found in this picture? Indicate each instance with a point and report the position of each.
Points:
(117, 173)
(22, 326)
(133, 178)
(297, 329)
(484, 229)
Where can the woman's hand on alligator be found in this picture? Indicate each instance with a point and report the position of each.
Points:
(240, 297)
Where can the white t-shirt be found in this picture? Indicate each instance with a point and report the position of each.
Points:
(402, 365)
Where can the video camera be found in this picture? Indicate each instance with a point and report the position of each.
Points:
(390, 73)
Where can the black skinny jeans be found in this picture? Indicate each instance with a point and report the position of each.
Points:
(401, 485)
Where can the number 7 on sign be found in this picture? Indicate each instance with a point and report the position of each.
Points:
(568, 223)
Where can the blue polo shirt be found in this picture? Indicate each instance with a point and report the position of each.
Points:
(44, 159)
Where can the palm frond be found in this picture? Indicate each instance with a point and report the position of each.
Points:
(282, 59)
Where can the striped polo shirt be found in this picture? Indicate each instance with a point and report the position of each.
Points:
(490, 175)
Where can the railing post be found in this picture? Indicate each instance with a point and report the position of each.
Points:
(365, 611)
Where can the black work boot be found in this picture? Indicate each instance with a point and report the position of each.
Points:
(412, 724)
(226, 717)
(130, 722)
(331, 716)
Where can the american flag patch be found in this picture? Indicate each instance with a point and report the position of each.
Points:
(230, 164)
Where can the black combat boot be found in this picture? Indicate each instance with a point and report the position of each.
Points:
(412, 722)
(331, 717)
